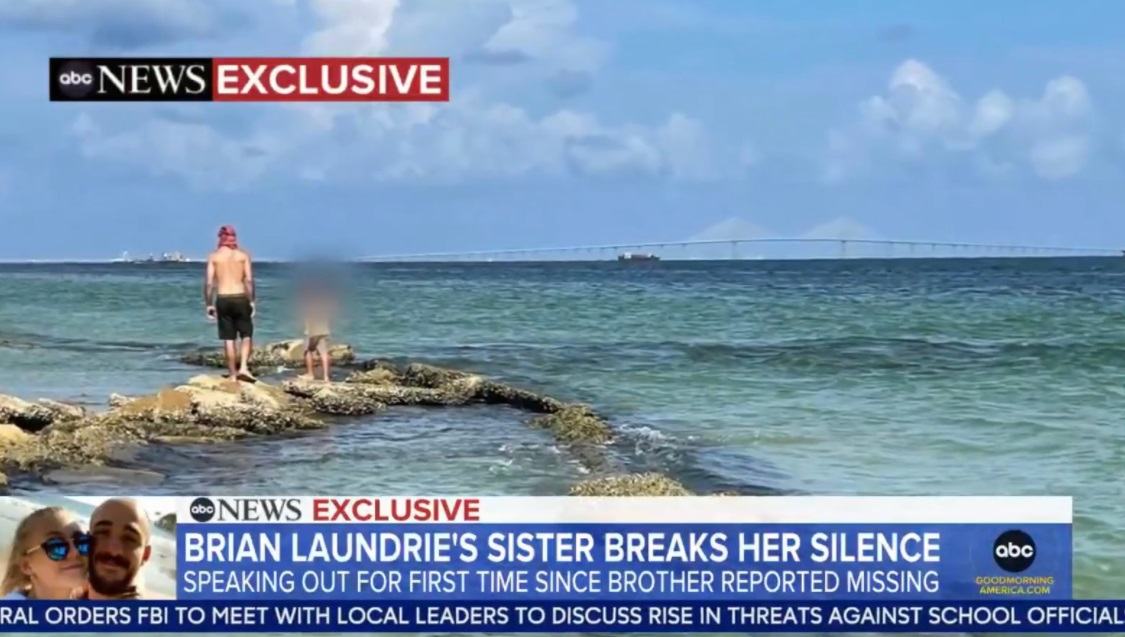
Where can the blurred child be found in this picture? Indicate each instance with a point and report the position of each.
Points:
(318, 308)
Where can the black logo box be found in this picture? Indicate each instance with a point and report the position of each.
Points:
(61, 66)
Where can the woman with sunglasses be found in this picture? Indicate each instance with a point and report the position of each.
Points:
(48, 558)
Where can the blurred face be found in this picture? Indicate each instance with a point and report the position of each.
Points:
(56, 555)
(120, 548)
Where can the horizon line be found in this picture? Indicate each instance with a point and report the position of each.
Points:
(468, 255)
(370, 261)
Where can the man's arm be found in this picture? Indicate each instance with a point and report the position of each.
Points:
(208, 283)
(248, 277)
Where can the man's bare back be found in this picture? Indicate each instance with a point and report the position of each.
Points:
(231, 267)
(228, 292)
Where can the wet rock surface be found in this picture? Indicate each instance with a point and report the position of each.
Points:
(336, 399)
(211, 402)
(272, 356)
(445, 387)
(205, 409)
(630, 484)
(56, 441)
(576, 424)
(35, 416)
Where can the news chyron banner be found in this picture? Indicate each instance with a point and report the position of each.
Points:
(249, 79)
(719, 564)
(623, 549)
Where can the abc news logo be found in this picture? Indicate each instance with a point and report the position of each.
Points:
(131, 79)
(1014, 551)
(245, 510)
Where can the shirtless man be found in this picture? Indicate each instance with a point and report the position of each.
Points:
(228, 293)
(122, 546)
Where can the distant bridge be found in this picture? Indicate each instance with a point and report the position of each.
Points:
(755, 249)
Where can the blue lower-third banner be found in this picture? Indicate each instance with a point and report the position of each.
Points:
(664, 616)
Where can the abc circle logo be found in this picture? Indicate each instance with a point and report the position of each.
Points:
(1014, 551)
(76, 79)
(202, 509)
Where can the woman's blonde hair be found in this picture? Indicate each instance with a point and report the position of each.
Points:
(14, 577)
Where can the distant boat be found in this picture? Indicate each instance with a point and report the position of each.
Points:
(635, 256)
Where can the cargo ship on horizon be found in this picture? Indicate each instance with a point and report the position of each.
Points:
(637, 256)
(167, 257)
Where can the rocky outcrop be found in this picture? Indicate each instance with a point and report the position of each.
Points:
(205, 409)
(431, 376)
(364, 393)
(47, 436)
(376, 376)
(11, 437)
(575, 424)
(336, 399)
(219, 403)
(420, 384)
(35, 416)
(416, 385)
(273, 356)
(448, 387)
(495, 393)
(630, 484)
(69, 444)
(167, 522)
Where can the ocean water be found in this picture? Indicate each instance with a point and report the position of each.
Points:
(907, 376)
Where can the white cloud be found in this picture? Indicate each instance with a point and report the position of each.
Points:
(544, 29)
(190, 150)
(472, 137)
(921, 117)
(351, 27)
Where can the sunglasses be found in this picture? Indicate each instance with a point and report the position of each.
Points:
(57, 549)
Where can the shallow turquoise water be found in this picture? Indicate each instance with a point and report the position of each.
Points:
(953, 376)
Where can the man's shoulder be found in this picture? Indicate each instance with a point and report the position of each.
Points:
(228, 254)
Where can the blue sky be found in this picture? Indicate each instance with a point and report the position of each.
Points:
(576, 122)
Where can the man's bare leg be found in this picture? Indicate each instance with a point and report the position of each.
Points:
(231, 354)
(244, 366)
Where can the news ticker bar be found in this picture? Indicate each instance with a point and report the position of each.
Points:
(609, 617)
(249, 79)
(526, 549)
